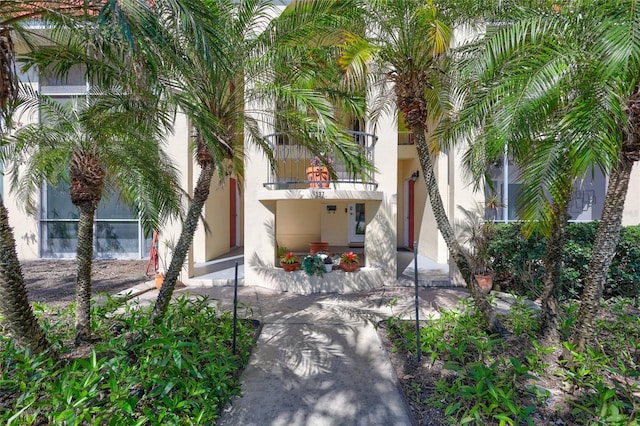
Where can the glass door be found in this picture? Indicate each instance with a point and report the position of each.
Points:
(357, 224)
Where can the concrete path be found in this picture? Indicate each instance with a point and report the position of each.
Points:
(319, 360)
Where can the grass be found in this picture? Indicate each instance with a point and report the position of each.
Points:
(470, 377)
(181, 372)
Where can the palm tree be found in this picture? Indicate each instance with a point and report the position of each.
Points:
(218, 97)
(133, 31)
(560, 86)
(407, 47)
(92, 144)
(499, 112)
(14, 302)
(114, 37)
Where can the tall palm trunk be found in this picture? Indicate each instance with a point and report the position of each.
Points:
(84, 258)
(409, 89)
(189, 226)
(608, 235)
(8, 81)
(87, 185)
(604, 248)
(14, 303)
(446, 230)
(553, 260)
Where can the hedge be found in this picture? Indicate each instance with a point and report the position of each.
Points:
(518, 261)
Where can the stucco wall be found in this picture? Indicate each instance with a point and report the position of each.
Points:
(216, 214)
(334, 225)
(298, 223)
(631, 214)
(25, 227)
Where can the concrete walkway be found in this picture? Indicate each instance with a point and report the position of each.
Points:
(319, 360)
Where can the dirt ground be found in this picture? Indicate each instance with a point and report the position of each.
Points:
(53, 280)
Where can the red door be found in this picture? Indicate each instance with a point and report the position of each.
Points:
(233, 214)
(410, 214)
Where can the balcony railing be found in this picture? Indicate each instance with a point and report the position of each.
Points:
(292, 161)
(406, 138)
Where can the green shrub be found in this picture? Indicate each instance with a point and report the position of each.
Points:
(182, 371)
(519, 268)
(475, 378)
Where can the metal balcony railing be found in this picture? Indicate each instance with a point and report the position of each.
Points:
(293, 162)
(406, 138)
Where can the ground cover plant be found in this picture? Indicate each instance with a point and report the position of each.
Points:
(180, 371)
(467, 376)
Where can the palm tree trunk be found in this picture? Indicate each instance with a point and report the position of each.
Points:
(8, 80)
(549, 321)
(604, 248)
(84, 258)
(189, 226)
(446, 230)
(14, 303)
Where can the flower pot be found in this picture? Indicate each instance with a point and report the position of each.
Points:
(328, 267)
(349, 267)
(159, 279)
(318, 177)
(290, 267)
(485, 282)
(317, 246)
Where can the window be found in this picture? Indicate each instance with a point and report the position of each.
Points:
(586, 199)
(117, 230)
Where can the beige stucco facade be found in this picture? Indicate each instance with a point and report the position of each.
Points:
(264, 218)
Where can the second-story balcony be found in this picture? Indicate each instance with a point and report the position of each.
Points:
(294, 167)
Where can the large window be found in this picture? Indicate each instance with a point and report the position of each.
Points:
(117, 230)
(586, 199)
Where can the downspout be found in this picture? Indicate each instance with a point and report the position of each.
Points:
(505, 184)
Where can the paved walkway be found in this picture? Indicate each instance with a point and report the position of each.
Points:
(319, 360)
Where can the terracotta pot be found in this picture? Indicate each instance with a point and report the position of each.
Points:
(316, 246)
(159, 279)
(289, 267)
(349, 267)
(318, 177)
(485, 282)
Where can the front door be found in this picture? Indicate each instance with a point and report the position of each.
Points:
(357, 223)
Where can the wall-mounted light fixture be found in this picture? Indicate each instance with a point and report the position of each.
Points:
(415, 175)
(331, 209)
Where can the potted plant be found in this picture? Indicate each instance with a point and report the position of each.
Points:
(349, 262)
(327, 261)
(475, 234)
(318, 173)
(313, 264)
(318, 247)
(289, 262)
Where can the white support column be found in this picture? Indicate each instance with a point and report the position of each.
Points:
(381, 235)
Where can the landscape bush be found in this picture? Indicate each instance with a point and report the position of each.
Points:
(471, 377)
(182, 371)
(518, 261)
